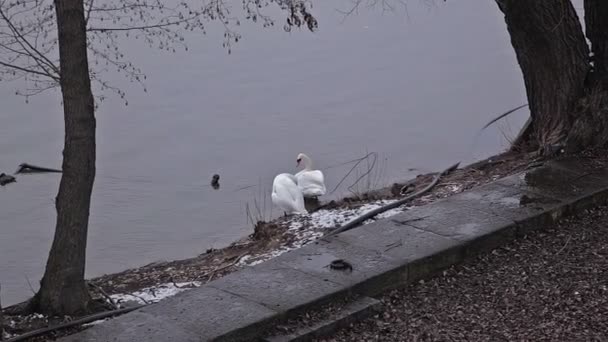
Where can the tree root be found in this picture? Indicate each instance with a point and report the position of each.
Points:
(23, 308)
(357, 221)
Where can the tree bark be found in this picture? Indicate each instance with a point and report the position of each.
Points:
(63, 290)
(596, 22)
(1, 321)
(551, 50)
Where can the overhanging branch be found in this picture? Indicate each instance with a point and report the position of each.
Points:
(28, 70)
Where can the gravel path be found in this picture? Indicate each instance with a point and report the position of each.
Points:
(550, 286)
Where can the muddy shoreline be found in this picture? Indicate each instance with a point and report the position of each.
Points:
(159, 280)
(284, 234)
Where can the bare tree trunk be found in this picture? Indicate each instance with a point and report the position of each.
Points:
(551, 50)
(63, 290)
(596, 22)
(1, 321)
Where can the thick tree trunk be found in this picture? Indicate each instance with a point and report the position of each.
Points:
(596, 22)
(1, 322)
(551, 50)
(63, 290)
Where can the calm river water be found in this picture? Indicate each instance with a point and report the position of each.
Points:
(414, 86)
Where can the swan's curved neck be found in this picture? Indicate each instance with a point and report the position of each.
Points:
(307, 162)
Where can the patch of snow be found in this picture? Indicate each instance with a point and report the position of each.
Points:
(305, 229)
(269, 255)
(243, 260)
(389, 213)
(94, 323)
(456, 188)
(337, 217)
(155, 293)
(295, 225)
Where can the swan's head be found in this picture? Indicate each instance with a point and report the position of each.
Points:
(301, 157)
(304, 160)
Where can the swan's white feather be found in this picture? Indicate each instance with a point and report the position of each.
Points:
(287, 195)
(311, 183)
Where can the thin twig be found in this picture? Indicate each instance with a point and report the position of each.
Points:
(370, 168)
(211, 273)
(350, 171)
(394, 245)
(175, 284)
(29, 284)
(347, 162)
(86, 20)
(564, 246)
(405, 222)
(137, 296)
(368, 215)
(105, 294)
(28, 70)
(502, 116)
(42, 60)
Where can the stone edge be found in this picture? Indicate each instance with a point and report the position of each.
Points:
(427, 267)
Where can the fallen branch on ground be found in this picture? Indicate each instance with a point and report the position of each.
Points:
(138, 297)
(28, 168)
(105, 294)
(83, 320)
(370, 214)
(217, 269)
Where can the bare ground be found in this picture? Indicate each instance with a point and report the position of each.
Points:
(549, 286)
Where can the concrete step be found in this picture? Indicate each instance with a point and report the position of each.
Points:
(354, 311)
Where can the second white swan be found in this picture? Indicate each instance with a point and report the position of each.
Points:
(311, 182)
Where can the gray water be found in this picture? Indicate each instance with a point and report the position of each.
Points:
(414, 86)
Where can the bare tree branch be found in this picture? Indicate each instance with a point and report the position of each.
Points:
(28, 40)
(31, 71)
(41, 59)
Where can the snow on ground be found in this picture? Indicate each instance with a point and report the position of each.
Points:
(95, 322)
(307, 228)
(331, 218)
(302, 228)
(155, 293)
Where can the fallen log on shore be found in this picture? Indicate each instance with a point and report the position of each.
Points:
(28, 168)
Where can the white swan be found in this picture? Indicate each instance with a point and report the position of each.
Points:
(311, 182)
(286, 194)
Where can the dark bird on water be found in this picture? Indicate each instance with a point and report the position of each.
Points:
(5, 179)
(215, 181)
